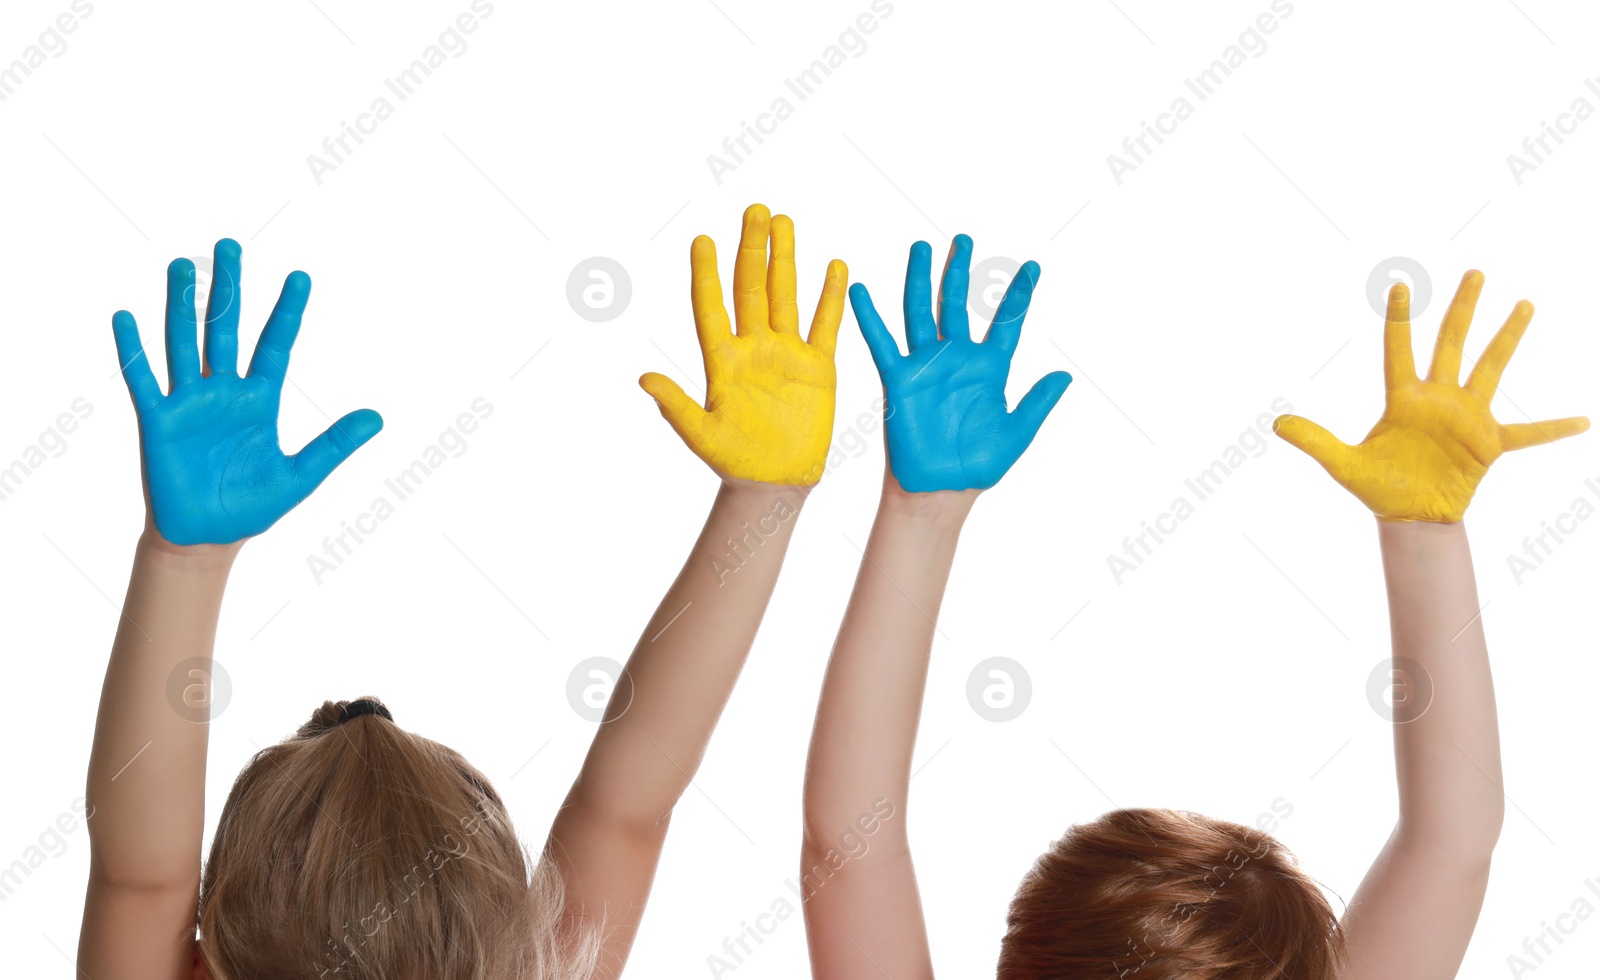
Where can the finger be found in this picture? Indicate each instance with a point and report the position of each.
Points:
(705, 295)
(750, 271)
(1521, 435)
(824, 334)
(136, 373)
(1485, 376)
(222, 310)
(1399, 366)
(183, 351)
(953, 290)
(783, 307)
(1316, 442)
(683, 413)
(1446, 365)
(1006, 329)
(1030, 413)
(271, 359)
(920, 326)
(885, 352)
(323, 454)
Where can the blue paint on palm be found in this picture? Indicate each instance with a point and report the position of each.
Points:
(214, 472)
(946, 419)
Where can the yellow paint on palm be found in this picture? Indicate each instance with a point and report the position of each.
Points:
(768, 415)
(1437, 437)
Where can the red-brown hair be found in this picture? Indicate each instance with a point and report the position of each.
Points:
(1162, 895)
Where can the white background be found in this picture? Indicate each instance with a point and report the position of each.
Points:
(1229, 270)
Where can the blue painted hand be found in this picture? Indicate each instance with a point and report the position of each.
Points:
(214, 473)
(948, 428)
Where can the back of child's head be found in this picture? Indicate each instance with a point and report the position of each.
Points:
(1162, 895)
(358, 851)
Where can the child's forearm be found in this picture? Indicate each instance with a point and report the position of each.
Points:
(688, 657)
(1447, 760)
(1432, 876)
(859, 769)
(608, 837)
(866, 725)
(146, 785)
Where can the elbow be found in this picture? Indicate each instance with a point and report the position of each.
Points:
(1494, 823)
(120, 865)
(816, 841)
(1481, 833)
(634, 819)
(835, 830)
(153, 882)
(1466, 840)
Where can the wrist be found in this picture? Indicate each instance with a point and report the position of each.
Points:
(761, 501)
(1389, 527)
(1422, 544)
(197, 557)
(752, 490)
(942, 508)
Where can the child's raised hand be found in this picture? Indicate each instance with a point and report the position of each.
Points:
(214, 473)
(947, 424)
(768, 416)
(1437, 437)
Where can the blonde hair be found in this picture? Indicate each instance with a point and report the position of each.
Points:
(360, 851)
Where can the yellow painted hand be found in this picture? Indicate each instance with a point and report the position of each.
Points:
(768, 415)
(1437, 438)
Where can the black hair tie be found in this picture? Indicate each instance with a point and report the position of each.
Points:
(363, 707)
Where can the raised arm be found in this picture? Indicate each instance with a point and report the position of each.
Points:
(214, 475)
(765, 430)
(1417, 470)
(949, 437)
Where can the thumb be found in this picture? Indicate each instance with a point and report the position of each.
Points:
(683, 413)
(1316, 442)
(335, 445)
(1030, 413)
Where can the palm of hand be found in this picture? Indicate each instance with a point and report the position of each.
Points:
(768, 414)
(949, 425)
(769, 403)
(214, 473)
(1425, 457)
(946, 422)
(212, 460)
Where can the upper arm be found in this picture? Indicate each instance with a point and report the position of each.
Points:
(863, 909)
(138, 933)
(607, 867)
(1414, 914)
